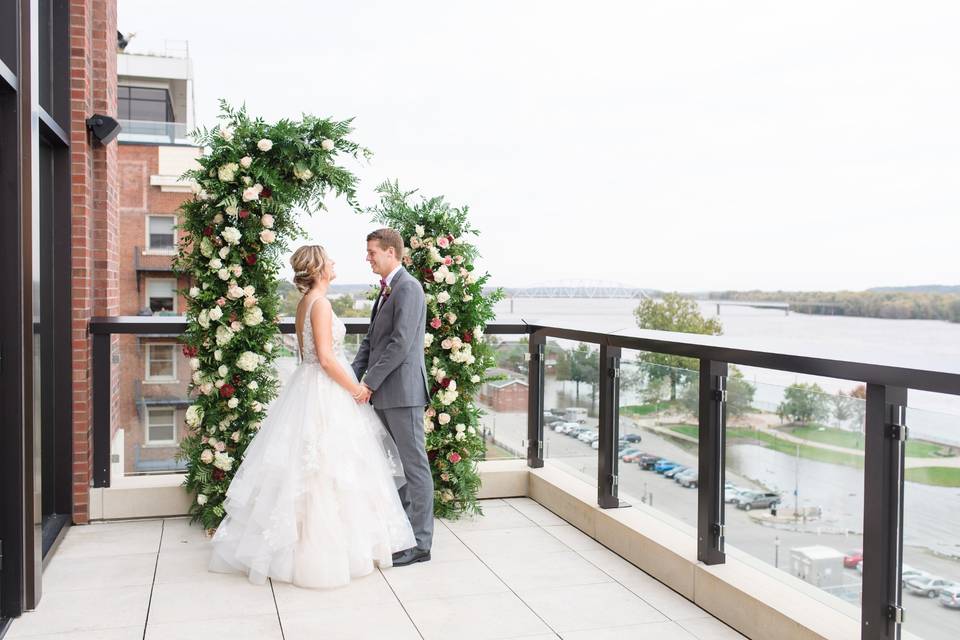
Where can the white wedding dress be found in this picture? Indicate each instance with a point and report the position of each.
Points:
(315, 501)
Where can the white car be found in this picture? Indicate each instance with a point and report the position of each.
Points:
(929, 586)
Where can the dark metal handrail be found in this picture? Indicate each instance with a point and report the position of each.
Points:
(885, 429)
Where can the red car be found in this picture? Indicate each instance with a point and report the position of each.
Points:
(853, 558)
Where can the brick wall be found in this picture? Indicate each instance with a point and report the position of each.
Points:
(94, 214)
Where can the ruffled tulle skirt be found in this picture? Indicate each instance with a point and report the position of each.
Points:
(315, 501)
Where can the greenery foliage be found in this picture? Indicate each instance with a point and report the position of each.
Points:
(250, 182)
(440, 256)
(868, 304)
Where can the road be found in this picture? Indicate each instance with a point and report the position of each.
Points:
(925, 618)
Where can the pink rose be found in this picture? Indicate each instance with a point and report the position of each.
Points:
(221, 301)
(442, 242)
(436, 323)
(448, 261)
(454, 457)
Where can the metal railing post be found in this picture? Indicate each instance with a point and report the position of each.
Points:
(607, 476)
(713, 422)
(884, 451)
(100, 379)
(535, 371)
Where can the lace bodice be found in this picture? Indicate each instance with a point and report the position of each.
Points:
(308, 349)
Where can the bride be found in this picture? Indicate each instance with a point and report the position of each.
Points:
(315, 501)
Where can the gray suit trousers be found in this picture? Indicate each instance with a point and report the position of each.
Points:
(405, 425)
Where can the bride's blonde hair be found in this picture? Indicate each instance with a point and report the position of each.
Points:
(308, 263)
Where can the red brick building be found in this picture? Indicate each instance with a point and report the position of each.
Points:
(506, 395)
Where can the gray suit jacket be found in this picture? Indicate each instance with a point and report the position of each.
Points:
(391, 354)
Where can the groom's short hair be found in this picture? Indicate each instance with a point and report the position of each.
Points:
(387, 238)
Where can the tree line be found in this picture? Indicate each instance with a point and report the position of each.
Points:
(903, 305)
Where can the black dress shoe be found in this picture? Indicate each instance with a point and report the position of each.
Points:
(410, 556)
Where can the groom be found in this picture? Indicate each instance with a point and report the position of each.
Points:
(391, 356)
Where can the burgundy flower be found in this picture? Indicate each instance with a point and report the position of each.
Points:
(226, 391)
(445, 383)
(251, 259)
(427, 272)
(208, 231)
(236, 378)
(450, 237)
(266, 193)
(218, 474)
(432, 455)
(244, 214)
(189, 351)
(468, 337)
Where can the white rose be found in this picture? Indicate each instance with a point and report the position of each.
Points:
(253, 386)
(451, 279)
(224, 274)
(246, 161)
(218, 219)
(194, 292)
(207, 456)
(250, 302)
(268, 347)
(264, 144)
(443, 297)
(447, 343)
(235, 326)
(327, 144)
(460, 427)
(215, 314)
(250, 194)
(475, 379)
(267, 236)
(206, 247)
(219, 383)
(267, 221)
(201, 499)
(427, 425)
(197, 377)
(203, 319)
(228, 172)
(467, 297)
(427, 340)
(206, 388)
(222, 371)
(224, 252)
(194, 364)
(460, 436)
(218, 355)
(236, 270)
(249, 290)
(419, 229)
(194, 415)
(232, 403)
(451, 318)
(302, 174)
(248, 361)
(444, 418)
(226, 133)
(232, 210)
(224, 335)
(215, 263)
(222, 460)
(234, 292)
(256, 407)
(232, 235)
(253, 316)
(247, 180)
(415, 243)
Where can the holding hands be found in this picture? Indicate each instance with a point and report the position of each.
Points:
(362, 394)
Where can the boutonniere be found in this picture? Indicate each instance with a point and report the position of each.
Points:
(386, 292)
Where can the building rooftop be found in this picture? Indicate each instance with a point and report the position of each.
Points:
(519, 571)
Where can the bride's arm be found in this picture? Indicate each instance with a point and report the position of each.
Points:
(322, 320)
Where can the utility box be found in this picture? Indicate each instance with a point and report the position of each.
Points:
(819, 565)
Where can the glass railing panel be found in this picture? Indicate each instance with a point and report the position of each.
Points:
(931, 519)
(503, 399)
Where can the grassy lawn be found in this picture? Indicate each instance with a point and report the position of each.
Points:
(495, 452)
(852, 440)
(937, 476)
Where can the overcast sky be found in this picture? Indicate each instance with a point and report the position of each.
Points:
(670, 144)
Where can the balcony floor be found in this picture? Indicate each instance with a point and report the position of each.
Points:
(518, 571)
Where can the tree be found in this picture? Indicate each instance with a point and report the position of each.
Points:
(581, 364)
(804, 403)
(739, 395)
(858, 403)
(842, 406)
(673, 313)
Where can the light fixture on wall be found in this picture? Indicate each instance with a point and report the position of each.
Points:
(104, 128)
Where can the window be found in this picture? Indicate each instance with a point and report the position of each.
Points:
(161, 235)
(161, 362)
(144, 103)
(161, 425)
(162, 295)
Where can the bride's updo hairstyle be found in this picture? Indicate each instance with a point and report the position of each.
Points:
(308, 263)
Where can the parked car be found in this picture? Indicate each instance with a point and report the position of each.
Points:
(550, 419)
(632, 437)
(860, 567)
(731, 492)
(646, 461)
(689, 478)
(663, 465)
(757, 500)
(589, 437)
(851, 559)
(632, 457)
(929, 586)
(595, 444)
(670, 473)
(907, 573)
(950, 597)
(632, 451)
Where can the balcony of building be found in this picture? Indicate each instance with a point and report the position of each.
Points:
(155, 96)
(581, 537)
